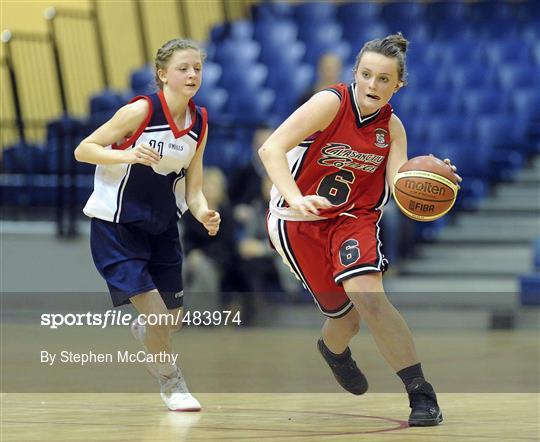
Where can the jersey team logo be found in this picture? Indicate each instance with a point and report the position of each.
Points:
(380, 138)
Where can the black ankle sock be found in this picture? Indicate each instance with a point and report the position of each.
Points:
(410, 373)
(334, 356)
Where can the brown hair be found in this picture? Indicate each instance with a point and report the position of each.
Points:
(166, 51)
(393, 46)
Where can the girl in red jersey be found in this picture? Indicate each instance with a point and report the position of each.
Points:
(332, 163)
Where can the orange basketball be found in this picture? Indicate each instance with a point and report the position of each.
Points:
(425, 188)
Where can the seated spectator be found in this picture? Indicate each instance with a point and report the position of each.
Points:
(245, 181)
(212, 263)
(329, 69)
(263, 271)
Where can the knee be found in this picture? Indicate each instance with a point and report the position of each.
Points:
(158, 329)
(349, 324)
(352, 323)
(354, 327)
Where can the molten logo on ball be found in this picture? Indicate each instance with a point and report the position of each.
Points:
(425, 187)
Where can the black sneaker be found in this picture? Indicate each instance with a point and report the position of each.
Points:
(425, 411)
(345, 370)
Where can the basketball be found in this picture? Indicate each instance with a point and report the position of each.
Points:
(425, 188)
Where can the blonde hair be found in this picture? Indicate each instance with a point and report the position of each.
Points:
(166, 51)
(393, 46)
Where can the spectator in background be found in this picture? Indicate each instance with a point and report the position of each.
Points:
(329, 70)
(262, 267)
(215, 266)
(245, 181)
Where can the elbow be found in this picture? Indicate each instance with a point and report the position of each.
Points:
(263, 152)
(77, 153)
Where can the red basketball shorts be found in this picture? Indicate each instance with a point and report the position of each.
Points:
(323, 254)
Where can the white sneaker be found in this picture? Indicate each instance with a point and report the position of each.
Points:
(138, 331)
(176, 395)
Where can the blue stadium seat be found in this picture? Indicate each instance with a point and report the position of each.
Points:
(358, 35)
(413, 31)
(63, 135)
(425, 77)
(397, 13)
(315, 13)
(252, 108)
(275, 34)
(24, 158)
(211, 73)
(421, 53)
(497, 28)
(536, 253)
(236, 30)
(526, 100)
(509, 51)
(416, 127)
(436, 102)
(536, 51)
(484, 101)
(142, 81)
(266, 10)
(529, 292)
(438, 12)
(106, 101)
(285, 56)
(489, 11)
(513, 76)
(233, 52)
(526, 9)
(244, 77)
(221, 152)
(213, 98)
(460, 51)
(443, 129)
(449, 29)
(241, 30)
(358, 13)
(404, 102)
(471, 76)
(329, 32)
(494, 130)
(296, 82)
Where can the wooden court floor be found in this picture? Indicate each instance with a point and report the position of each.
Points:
(270, 385)
(265, 416)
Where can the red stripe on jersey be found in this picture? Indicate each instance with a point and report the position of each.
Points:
(175, 130)
(130, 140)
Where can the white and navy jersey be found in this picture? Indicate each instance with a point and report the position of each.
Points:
(151, 197)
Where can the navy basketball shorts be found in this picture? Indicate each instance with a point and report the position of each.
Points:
(133, 261)
(323, 254)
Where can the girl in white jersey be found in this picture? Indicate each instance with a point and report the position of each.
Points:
(149, 171)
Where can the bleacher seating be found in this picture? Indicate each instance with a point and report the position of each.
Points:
(472, 92)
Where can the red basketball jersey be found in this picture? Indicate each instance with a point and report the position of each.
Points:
(345, 163)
